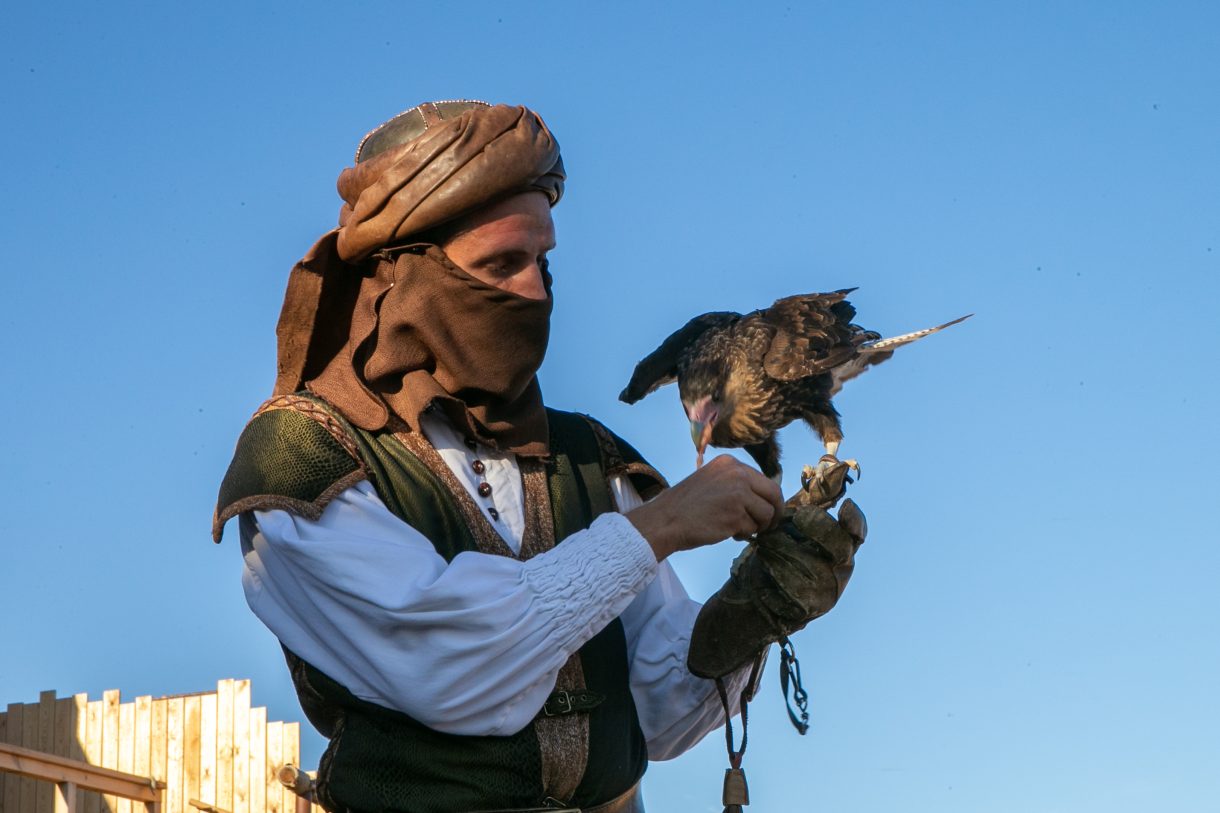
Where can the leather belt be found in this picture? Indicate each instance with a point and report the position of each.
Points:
(630, 802)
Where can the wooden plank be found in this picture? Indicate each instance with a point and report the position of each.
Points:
(291, 755)
(275, 758)
(76, 750)
(95, 712)
(224, 744)
(29, 739)
(241, 747)
(142, 735)
(174, 800)
(65, 727)
(258, 760)
(43, 767)
(110, 741)
(65, 735)
(80, 717)
(190, 747)
(44, 793)
(127, 746)
(12, 788)
(207, 749)
(158, 739)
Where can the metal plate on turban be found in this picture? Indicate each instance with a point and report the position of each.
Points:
(410, 125)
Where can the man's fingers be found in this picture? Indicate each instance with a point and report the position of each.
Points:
(760, 513)
(762, 498)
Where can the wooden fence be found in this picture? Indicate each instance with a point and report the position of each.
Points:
(212, 750)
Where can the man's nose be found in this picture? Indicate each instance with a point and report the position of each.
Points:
(532, 285)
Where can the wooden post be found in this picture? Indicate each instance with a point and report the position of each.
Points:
(65, 797)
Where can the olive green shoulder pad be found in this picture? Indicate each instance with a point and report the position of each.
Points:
(294, 455)
(620, 458)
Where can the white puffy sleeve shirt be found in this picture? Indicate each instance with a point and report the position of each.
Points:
(473, 646)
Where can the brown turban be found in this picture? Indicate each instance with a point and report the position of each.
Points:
(380, 325)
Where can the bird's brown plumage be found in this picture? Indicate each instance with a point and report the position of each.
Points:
(752, 375)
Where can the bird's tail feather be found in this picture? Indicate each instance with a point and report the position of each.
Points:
(886, 345)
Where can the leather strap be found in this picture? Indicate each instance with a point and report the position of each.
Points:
(430, 113)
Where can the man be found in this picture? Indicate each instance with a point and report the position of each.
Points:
(402, 497)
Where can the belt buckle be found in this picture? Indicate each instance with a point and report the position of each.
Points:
(563, 704)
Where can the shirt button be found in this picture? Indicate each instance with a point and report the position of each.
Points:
(494, 513)
(478, 467)
(484, 489)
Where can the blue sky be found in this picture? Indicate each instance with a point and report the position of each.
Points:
(1034, 621)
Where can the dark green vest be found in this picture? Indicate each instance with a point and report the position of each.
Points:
(297, 454)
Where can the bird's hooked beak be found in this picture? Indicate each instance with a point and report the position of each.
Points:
(702, 420)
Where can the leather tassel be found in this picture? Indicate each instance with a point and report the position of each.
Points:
(736, 791)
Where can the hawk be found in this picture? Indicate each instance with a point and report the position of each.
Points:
(743, 378)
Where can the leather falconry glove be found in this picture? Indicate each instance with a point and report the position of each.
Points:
(780, 582)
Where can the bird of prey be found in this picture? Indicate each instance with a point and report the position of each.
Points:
(743, 378)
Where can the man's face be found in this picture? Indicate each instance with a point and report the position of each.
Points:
(506, 244)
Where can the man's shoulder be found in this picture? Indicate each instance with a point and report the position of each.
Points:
(295, 454)
(618, 457)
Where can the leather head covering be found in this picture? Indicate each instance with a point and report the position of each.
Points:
(383, 327)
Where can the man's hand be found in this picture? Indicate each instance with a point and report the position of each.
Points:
(722, 499)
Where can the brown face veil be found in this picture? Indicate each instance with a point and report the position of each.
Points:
(384, 328)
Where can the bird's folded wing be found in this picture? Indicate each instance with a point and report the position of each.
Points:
(660, 367)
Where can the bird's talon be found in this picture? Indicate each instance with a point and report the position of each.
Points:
(807, 474)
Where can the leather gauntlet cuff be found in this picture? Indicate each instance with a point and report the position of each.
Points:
(779, 583)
